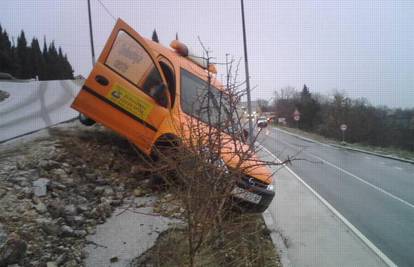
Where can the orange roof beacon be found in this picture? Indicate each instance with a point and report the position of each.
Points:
(141, 89)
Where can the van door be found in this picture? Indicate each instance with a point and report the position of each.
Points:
(126, 90)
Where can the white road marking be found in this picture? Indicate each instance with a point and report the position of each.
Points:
(300, 137)
(361, 236)
(398, 168)
(354, 176)
(365, 182)
(335, 147)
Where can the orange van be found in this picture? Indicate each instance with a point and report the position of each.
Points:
(141, 89)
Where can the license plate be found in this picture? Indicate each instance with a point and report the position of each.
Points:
(246, 195)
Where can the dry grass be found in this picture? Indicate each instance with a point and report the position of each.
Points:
(250, 247)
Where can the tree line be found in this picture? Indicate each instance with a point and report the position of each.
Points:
(25, 61)
(367, 124)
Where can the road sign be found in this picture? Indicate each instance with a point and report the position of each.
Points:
(343, 127)
(296, 117)
(296, 112)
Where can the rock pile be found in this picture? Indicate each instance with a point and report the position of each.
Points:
(51, 198)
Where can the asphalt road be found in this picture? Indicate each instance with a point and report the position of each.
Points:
(375, 194)
(34, 105)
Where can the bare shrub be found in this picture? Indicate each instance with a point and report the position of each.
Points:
(205, 165)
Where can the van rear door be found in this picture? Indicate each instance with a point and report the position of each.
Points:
(126, 90)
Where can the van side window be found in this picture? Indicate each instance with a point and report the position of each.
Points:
(130, 60)
(169, 76)
(210, 106)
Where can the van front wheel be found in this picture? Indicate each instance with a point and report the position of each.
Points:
(85, 120)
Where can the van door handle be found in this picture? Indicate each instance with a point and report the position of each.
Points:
(101, 80)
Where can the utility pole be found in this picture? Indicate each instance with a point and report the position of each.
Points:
(246, 66)
(91, 33)
(227, 72)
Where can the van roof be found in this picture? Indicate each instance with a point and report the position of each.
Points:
(183, 62)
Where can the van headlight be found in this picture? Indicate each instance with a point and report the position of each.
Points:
(270, 187)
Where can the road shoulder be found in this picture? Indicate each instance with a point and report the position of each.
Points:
(313, 235)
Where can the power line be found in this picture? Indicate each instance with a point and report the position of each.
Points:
(106, 9)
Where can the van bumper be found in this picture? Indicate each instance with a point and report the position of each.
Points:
(252, 198)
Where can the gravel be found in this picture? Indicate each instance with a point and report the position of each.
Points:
(56, 189)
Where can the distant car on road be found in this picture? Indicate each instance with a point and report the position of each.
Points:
(262, 122)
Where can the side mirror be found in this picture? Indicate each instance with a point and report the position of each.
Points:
(160, 95)
(262, 125)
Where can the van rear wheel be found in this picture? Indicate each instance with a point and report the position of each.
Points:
(163, 156)
(85, 120)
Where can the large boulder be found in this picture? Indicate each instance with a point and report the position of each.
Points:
(40, 187)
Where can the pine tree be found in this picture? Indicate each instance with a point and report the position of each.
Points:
(23, 53)
(52, 63)
(36, 59)
(45, 70)
(309, 108)
(44, 52)
(6, 63)
(7, 44)
(60, 65)
(2, 42)
(305, 94)
(155, 36)
(15, 71)
(25, 62)
(68, 68)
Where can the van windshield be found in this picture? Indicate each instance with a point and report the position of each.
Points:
(207, 103)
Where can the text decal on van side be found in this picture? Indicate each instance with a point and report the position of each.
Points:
(130, 102)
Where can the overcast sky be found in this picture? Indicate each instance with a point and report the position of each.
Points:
(365, 48)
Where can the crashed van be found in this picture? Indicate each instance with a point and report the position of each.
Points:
(141, 89)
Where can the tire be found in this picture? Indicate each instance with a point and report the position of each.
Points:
(85, 120)
(164, 148)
